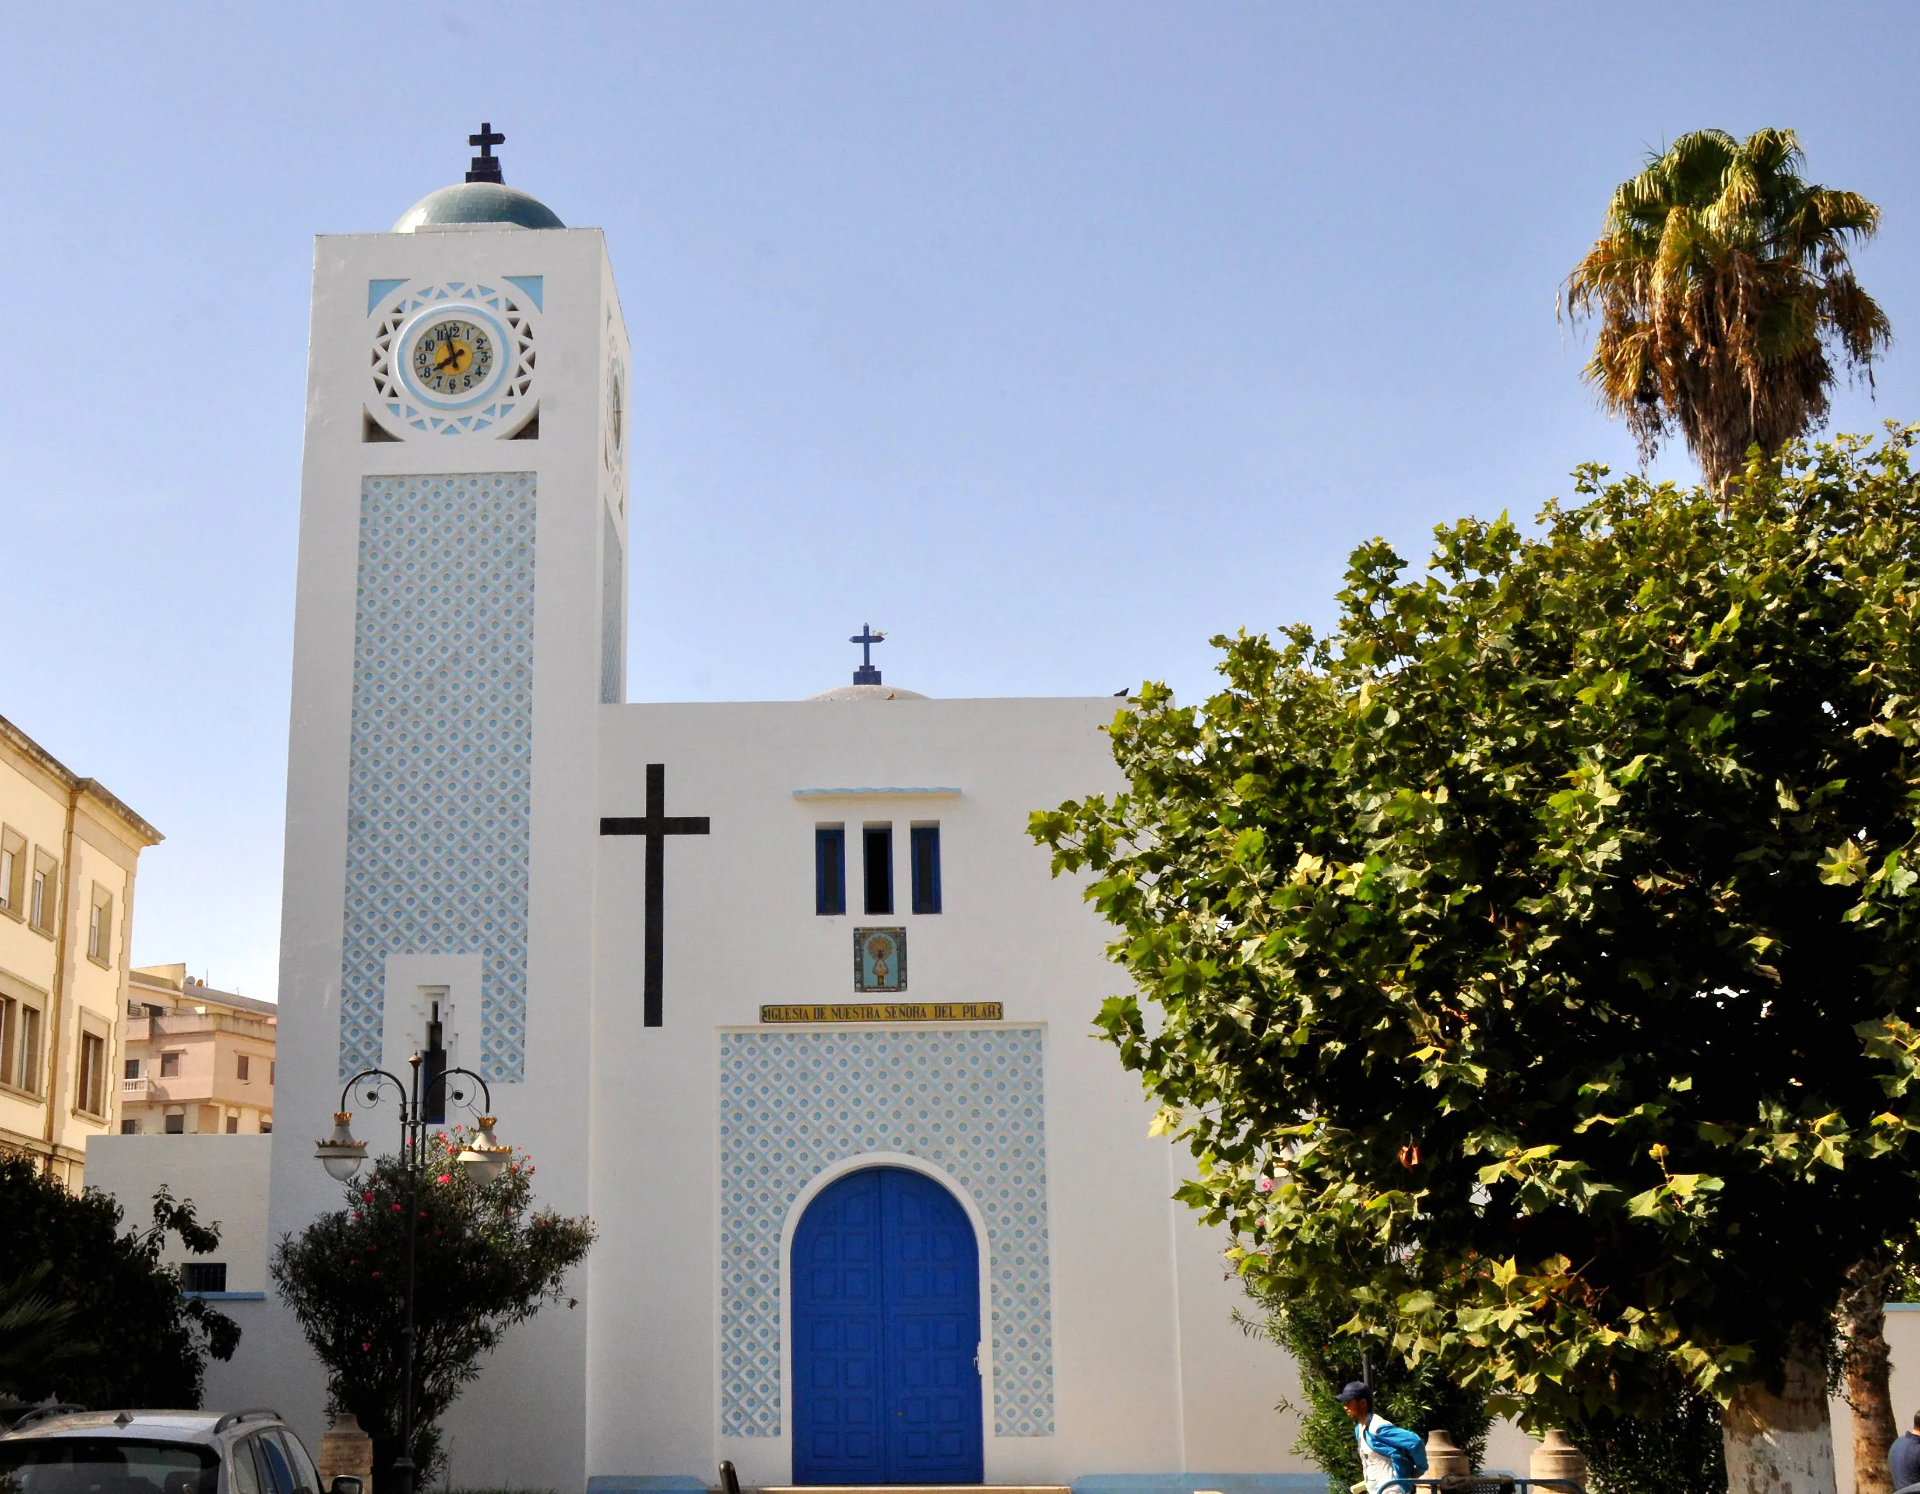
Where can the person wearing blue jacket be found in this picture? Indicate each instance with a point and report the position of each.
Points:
(1387, 1452)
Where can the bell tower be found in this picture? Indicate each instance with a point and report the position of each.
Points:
(460, 619)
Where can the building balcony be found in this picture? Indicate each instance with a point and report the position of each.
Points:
(135, 1089)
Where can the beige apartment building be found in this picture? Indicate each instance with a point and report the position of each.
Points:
(68, 854)
(198, 1061)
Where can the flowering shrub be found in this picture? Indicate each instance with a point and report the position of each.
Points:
(484, 1259)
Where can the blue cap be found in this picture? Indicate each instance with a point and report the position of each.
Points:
(1357, 1390)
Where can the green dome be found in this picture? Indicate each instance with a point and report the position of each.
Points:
(478, 202)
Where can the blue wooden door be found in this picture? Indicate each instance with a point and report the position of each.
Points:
(886, 1326)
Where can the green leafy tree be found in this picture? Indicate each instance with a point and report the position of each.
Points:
(1418, 1396)
(484, 1260)
(1532, 954)
(1722, 289)
(128, 1336)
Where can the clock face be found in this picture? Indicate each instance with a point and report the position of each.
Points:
(616, 412)
(452, 356)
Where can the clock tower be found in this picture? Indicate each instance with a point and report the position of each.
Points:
(460, 622)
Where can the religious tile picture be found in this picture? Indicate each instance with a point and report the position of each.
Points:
(879, 959)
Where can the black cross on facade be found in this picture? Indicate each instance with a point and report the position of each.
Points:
(486, 166)
(866, 674)
(656, 825)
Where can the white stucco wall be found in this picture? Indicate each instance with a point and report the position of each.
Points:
(225, 1177)
(577, 489)
(1150, 1374)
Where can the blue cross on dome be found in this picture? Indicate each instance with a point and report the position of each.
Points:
(866, 674)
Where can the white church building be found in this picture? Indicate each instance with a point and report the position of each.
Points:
(780, 994)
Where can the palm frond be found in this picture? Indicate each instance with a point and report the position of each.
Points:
(1718, 288)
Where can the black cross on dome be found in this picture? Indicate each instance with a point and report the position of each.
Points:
(866, 674)
(486, 165)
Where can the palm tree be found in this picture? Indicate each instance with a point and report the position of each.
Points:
(1722, 288)
(32, 1327)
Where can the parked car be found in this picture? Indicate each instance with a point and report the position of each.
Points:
(62, 1451)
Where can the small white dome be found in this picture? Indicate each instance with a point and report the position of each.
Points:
(868, 692)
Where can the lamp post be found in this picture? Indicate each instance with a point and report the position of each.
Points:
(483, 1159)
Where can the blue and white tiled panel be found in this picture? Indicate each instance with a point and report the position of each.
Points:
(795, 1102)
(441, 752)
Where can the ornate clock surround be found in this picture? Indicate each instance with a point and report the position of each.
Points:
(502, 407)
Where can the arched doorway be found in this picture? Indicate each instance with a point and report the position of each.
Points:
(886, 1334)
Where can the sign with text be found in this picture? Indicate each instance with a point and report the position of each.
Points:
(887, 1011)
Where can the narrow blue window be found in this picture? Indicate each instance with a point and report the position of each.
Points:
(877, 842)
(829, 869)
(925, 847)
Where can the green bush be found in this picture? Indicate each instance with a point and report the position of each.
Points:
(129, 1335)
(1680, 1452)
(1417, 1398)
(484, 1260)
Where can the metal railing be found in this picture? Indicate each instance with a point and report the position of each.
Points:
(1486, 1483)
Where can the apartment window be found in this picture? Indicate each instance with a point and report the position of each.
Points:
(273, 1068)
(169, 1065)
(203, 1276)
(133, 1068)
(20, 1044)
(100, 927)
(923, 843)
(129, 1128)
(877, 843)
(829, 869)
(266, 1125)
(93, 1074)
(240, 1067)
(43, 894)
(13, 872)
(233, 1125)
(175, 1125)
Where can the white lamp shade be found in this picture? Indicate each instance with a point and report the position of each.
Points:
(340, 1154)
(484, 1158)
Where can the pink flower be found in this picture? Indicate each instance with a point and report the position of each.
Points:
(376, 1275)
(366, 1198)
(396, 1208)
(366, 1346)
(445, 1177)
(1266, 1185)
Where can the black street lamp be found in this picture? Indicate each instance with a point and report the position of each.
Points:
(483, 1159)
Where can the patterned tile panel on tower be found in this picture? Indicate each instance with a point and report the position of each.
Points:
(441, 751)
(970, 1101)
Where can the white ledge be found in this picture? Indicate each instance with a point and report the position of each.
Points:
(877, 793)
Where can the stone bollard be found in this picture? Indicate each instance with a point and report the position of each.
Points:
(1444, 1456)
(1556, 1457)
(345, 1449)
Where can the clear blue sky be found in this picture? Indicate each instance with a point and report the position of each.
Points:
(1053, 338)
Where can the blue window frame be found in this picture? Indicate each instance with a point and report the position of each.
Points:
(829, 869)
(877, 842)
(924, 847)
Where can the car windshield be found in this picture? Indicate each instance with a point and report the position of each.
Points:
(107, 1465)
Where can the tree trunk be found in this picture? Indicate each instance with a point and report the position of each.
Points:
(1781, 1444)
(1863, 1325)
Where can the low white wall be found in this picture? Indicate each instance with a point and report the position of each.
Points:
(224, 1176)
